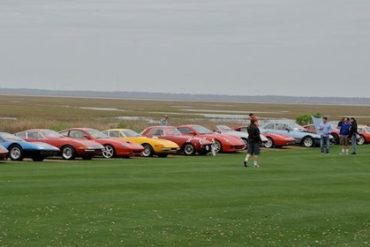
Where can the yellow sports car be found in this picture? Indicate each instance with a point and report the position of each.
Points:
(152, 146)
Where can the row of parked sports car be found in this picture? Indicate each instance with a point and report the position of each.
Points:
(161, 141)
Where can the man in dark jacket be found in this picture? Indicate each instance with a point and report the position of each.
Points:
(353, 131)
(254, 143)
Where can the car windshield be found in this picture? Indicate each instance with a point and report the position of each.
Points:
(367, 129)
(296, 127)
(51, 134)
(96, 134)
(172, 131)
(130, 133)
(201, 130)
(10, 138)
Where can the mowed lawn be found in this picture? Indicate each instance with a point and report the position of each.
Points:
(297, 198)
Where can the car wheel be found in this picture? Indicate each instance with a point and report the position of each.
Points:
(308, 142)
(38, 158)
(16, 153)
(361, 140)
(270, 143)
(108, 151)
(148, 150)
(68, 153)
(189, 149)
(217, 146)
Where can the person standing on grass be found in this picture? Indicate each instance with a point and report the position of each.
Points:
(164, 120)
(254, 144)
(353, 131)
(343, 135)
(340, 123)
(325, 129)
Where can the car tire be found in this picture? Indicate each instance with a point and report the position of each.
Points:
(308, 142)
(189, 149)
(148, 150)
(361, 140)
(16, 153)
(270, 143)
(109, 151)
(68, 152)
(217, 146)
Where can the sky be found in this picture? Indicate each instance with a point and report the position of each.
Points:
(236, 47)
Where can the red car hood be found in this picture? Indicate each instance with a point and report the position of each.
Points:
(282, 137)
(87, 143)
(232, 139)
(127, 144)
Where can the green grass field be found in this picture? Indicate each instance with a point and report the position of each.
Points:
(297, 198)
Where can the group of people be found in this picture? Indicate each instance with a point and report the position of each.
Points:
(348, 132)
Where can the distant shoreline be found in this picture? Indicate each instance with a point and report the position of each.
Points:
(268, 99)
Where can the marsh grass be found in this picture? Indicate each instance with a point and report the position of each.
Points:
(59, 113)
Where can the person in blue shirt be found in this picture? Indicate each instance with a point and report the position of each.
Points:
(325, 130)
(343, 135)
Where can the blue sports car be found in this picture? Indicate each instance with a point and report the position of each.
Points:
(20, 149)
(294, 130)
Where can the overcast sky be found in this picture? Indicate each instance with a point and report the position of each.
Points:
(245, 47)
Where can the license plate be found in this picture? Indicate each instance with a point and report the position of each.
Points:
(207, 148)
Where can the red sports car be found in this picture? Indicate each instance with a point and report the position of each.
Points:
(364, 132)
(222, 143)
(189, 145)
(3, 153)
(273, 140)
(112, 147)
(70, 148)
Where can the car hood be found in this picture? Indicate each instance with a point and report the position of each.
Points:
(124, 142)
(279, 136)
(88, 143)
(163, 142)
(43, 146)
(225, 137)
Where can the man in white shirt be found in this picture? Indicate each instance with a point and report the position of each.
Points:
(325, 130)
